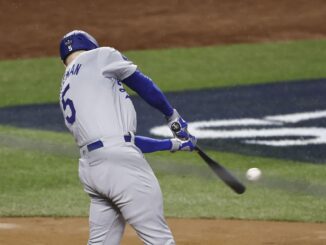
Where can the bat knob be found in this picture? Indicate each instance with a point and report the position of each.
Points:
(175, 127)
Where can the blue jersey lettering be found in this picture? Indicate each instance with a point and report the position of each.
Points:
(74, 70)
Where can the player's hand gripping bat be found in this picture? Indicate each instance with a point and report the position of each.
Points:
(218, 169)
(221, 172)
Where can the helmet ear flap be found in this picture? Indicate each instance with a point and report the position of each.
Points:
(76, 40)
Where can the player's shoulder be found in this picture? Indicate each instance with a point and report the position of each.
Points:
(101, 55)
(110, 54)
(100, 52)
(105, 50)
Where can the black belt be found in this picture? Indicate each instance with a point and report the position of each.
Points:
(99, 144)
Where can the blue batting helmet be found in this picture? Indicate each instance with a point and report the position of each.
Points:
(76, 40)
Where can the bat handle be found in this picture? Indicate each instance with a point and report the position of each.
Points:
(197, 148)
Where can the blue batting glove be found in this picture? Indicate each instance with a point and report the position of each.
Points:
(183, 145)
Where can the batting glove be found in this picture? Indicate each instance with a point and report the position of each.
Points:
(183, 145)
(178, 126)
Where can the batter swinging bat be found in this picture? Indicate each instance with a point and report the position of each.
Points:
(220, 171)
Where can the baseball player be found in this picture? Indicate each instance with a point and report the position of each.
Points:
(101, 116)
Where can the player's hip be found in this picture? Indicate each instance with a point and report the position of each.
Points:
(102, 145)
(114, 168)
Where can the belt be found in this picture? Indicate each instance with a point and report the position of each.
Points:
(99, 144)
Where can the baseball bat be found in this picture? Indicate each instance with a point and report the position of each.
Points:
(222, 172)
(217, 168)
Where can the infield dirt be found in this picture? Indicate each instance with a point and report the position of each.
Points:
(54, 231)
(34, 28)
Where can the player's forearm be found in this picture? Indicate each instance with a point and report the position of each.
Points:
(148, 90)
(148, 145)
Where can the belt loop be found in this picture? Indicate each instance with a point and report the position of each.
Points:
(83, 152)
(131, 137)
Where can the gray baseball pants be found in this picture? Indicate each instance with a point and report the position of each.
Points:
(122, 188)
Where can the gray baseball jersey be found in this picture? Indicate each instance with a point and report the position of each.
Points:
(94, 102)
(120, 182)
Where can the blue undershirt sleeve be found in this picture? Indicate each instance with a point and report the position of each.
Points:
(148, 145)
(149, 92)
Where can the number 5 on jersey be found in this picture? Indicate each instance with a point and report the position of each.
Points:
(68, 103)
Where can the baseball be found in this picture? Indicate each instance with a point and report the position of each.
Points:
(253, 174)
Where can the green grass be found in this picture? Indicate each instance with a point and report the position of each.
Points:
(280, 195)
(210, 67)
(38, 177)
(38, 80)
(38, 169)
(39, 174)
(39, 184)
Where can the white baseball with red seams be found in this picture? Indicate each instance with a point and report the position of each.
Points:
(253, 174)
